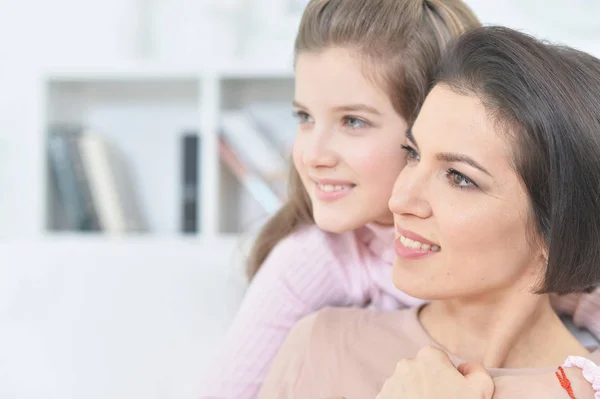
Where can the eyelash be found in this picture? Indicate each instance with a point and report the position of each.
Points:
(413, 155)
(361, 122)
(303, 117)
(450, 173)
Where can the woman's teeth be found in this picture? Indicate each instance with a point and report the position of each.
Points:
(407, 242)
(330, 187)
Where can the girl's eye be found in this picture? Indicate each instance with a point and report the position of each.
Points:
(459, 180)
(354, 123)
(302, 117)
(411, 153)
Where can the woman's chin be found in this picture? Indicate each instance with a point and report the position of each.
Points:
(414, 285)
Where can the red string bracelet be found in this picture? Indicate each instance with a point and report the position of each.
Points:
(564, 382)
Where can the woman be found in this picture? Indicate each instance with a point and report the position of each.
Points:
(362, 70)
(498, 206)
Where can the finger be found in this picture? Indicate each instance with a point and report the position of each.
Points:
(478, 377)
(431, 353)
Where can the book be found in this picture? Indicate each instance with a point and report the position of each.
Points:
(253, 182)
(252, 147)
(190, 182)
(111, 185)
(72, 185)
(276, 122)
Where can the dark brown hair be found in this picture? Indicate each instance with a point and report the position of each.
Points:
(399, 43)
(547, 98)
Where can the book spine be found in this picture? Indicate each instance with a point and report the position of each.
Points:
(98, 164)
(190, 183)
(250, 180)
(66, 179)
(89, 219)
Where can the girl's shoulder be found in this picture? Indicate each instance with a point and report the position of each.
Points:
(312, 241)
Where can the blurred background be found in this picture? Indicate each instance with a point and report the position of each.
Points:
(142, 143)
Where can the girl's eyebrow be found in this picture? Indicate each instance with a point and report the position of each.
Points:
(346, 108)
(297, 104)
(357, 107)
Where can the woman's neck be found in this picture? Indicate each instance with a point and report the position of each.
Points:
(514, 330)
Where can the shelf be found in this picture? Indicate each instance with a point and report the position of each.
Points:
(142, 108)
(255, 71)
(122, 71)
(150, 240)
(140, 71)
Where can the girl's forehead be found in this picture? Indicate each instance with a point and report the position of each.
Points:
(335, 77)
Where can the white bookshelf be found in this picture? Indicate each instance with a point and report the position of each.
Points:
(143, 108)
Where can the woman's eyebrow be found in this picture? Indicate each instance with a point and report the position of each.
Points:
(449, 156)
(453, 157)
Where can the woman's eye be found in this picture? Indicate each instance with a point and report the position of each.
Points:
(411, 153)
(459, 180)
(302, 117)
(354, 123)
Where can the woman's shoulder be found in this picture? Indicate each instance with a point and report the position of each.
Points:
(352, 327)
(348, 351)
(367, 321)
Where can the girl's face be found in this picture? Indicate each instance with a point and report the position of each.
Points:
(460, 208)
(348, 146)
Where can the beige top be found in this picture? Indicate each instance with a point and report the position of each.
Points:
(351, 352)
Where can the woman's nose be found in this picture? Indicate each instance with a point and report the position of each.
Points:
(409, 196)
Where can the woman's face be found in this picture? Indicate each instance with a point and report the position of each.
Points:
(348, 146)
(460, 209)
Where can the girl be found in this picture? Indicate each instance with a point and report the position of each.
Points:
(498, 205)
(362, 71)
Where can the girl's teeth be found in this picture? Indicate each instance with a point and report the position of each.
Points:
(328, 188)
(407, 242)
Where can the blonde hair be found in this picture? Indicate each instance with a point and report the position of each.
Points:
(399, 42)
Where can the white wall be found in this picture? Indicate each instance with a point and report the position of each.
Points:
(38, 32)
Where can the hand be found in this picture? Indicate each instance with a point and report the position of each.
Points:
(431, 375)
(543, 385)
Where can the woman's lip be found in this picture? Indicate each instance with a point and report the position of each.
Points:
(414, 236)
(411, 253)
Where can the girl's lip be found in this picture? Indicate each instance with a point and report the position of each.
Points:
(333, 182)
(332, 195)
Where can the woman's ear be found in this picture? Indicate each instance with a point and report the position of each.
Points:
(544, 255)
(536, 272)
(539, 267)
